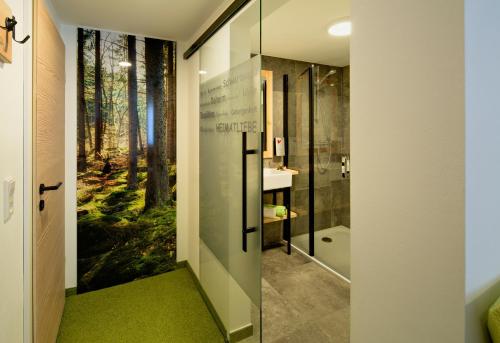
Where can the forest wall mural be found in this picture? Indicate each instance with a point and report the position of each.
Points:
(125, 157)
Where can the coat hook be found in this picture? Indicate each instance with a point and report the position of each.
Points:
(10, 26)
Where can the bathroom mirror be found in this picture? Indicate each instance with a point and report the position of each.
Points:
(267, 104)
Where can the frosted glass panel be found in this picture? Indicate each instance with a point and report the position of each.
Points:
(230, 107)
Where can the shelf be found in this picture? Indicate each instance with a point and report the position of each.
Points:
(291, 171)
(268, 220)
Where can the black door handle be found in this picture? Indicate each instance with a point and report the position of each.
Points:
(245, 152)
(44, 188)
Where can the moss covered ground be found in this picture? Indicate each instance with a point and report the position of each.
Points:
(118, 241)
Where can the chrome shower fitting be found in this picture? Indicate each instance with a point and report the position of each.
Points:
(331, 72)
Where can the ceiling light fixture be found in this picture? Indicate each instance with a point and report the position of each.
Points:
(125, 64)
(203, 72)
(341, 29)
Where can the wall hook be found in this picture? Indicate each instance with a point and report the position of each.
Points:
(10, 26)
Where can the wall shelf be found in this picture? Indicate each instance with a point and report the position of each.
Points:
(292, 171)
(287, 229)
(268, 220)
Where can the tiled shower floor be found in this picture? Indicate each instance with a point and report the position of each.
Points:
(301, 301)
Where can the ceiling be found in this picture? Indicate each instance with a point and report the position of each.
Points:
(293, 29)
(170, 19)
(298, 30)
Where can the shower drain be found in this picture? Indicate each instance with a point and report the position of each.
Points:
(327, 239)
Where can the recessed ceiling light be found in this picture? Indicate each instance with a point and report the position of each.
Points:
(125, 64)
(203, 72)
(341, 29)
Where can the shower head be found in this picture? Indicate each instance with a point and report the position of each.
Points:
(331, 72)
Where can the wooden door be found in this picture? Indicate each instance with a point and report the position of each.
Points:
(48, 126)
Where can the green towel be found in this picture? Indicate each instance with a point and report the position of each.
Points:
(494, 321)
(280, 211)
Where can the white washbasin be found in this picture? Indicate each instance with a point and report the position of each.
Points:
(275, 179)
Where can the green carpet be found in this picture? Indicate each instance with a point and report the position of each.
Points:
(163, 308)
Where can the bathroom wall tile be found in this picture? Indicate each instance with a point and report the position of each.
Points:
(332, 140)
(300, 225)
(322, 199)
(273, 233)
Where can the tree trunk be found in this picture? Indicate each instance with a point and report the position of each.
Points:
(133, 114)
(98, 97)
(171, 129)
(113, 136)
(139, 135)
(89, 131)
(82, 156)
(104, 110)
(171, 112)
(157, 192)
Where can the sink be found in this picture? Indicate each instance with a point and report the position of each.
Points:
(275, 179)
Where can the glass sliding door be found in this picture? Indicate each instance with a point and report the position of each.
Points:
(230, 173)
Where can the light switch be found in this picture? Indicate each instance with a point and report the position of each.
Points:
(9, 188)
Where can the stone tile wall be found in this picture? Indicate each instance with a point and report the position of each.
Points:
(332, 141)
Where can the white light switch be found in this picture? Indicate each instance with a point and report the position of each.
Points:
(9, 187)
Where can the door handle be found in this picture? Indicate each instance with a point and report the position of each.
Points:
(44, 188)
(245, 152)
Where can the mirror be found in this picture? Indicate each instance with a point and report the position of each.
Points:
(267, 103)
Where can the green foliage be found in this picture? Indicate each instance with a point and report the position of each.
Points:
(117, 240)
(172, 170)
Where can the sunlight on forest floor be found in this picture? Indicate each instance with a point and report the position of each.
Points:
(117, 240)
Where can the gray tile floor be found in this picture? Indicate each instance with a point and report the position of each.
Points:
(301, 301)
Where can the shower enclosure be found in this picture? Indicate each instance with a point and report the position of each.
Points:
(319, 147)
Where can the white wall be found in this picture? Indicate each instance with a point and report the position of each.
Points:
(188, 141)
(186, 119)
(69, 36)
(28, 175)
(407, 200)
(188, 107)
(11, 166)
(187, 158)
(482, 55)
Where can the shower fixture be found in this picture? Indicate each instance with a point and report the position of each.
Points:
(331, 72)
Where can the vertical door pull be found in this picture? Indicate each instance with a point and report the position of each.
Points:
(245, 229)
